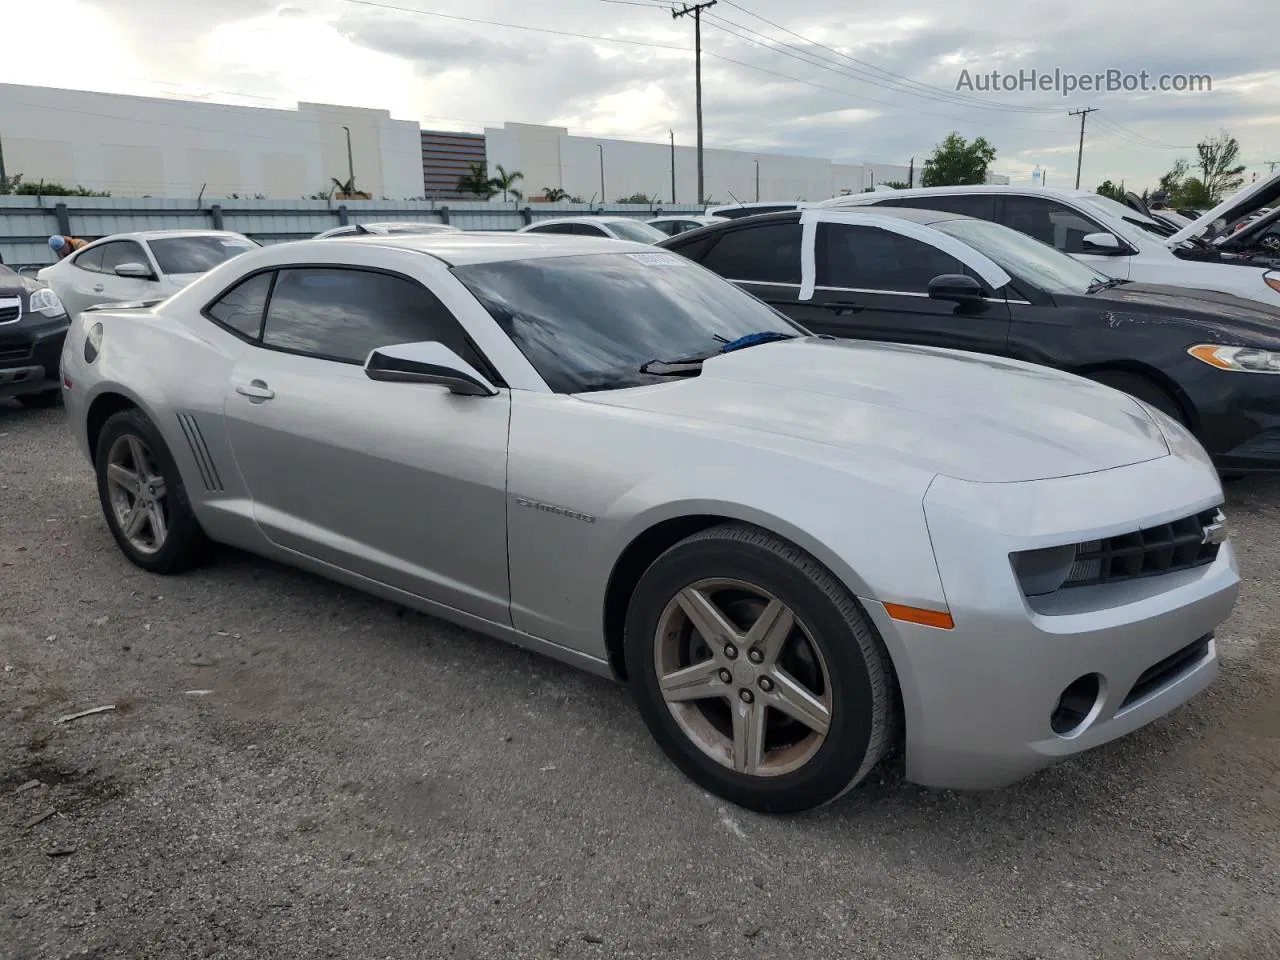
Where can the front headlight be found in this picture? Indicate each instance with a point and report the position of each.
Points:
(1240, 359)
(46, 302)
(1272, 280)
(1181, 442)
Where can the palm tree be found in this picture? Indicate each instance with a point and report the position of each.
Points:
(554, 194)
(476, 181)
(505, 183)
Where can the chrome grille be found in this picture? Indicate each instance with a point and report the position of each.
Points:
(10, 309)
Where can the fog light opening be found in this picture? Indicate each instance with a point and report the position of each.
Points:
(1076, 705)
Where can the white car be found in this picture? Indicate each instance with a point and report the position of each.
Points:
(800, 552)
(673, 224)
(386, 229)
(618, 228)
(1117, 240)
(147, 265)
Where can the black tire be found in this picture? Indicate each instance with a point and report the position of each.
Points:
(185, 544)
(42, 400)
(1144, 389)
(863, 714)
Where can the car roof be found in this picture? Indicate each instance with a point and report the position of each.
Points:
(857, 199)
(914, 214)
(584, 219)
(169, 235)
(462, 249)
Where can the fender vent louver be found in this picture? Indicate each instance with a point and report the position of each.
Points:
(200, 452)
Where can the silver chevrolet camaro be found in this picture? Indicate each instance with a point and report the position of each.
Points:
(801, 554)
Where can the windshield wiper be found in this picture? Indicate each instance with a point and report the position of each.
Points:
(1099, 285)
(691, 365)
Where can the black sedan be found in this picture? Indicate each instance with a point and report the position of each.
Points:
(33, 325)
(927, 277)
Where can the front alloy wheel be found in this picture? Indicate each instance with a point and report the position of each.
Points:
(757, 672)
(742, 677)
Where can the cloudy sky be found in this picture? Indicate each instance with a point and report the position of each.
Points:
(852, 80)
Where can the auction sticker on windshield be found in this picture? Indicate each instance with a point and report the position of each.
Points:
(659, 259)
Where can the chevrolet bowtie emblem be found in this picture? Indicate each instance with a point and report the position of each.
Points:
(1215, 532)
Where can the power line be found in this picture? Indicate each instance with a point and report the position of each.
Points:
(950, 95)
(720, 24)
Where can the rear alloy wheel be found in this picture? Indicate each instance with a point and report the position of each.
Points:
(757, 672)
(143, 497)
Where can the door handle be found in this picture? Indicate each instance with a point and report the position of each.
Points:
(255, 390)
(98, 288)
(843, 306)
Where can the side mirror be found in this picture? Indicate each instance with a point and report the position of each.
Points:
(427, 362)
(1101, 243)
(956, 287)
(138, 271)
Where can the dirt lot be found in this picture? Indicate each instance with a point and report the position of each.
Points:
(295, 770)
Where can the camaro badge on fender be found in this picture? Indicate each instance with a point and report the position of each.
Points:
(558, 511)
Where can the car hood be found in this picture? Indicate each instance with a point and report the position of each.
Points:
(1264, 193)
(963, 415)
(1222, 316)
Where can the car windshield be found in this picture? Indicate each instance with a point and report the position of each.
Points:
(1024, 258)
(197, 254)
(637, 231)
(1113, 208)
(590, 322)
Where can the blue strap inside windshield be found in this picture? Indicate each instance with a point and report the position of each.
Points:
(751, 339)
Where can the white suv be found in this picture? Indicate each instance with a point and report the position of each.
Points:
(1120, 241)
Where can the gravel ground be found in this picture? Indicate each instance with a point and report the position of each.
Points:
(294, 770)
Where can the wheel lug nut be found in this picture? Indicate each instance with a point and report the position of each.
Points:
(730, 651)
(746, 695)
(755, 656)
(766, 684)
(725, 676)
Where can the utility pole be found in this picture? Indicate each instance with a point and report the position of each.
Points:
(1080, 153)
(696, 10)
(351, 167)
(1271, 166)
(601, 148)
(757, 181)
(673, 166)
(911, 173)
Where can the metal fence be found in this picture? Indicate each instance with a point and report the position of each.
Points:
(26, 223)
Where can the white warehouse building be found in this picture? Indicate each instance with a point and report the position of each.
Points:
(599, 169)
(179, 149)
(149, 146)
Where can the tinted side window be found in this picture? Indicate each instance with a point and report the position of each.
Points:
(587, 230)
(553, 228)
(241, 307)
(342, 314)
(868, 258)
(980, 205)
(90, 260)
(122, 251)
(1049, 221)
(669, 227)
(767, 253)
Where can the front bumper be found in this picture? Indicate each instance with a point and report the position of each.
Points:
(29, 357)
(1239, 419)
(979, 698)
